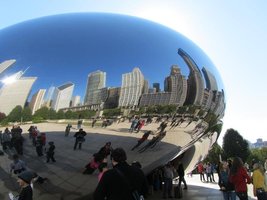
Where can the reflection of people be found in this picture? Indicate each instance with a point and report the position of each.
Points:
(67, 130)
(50, 152)
(168, 177)
(79, 138)
(240, 178)
(259, 187)
(17, 166)
(24, 180)
(141, 140)
(119, 183)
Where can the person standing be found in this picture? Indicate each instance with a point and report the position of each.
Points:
(168, 177)
(39, 146)
(24, 180)
(226, 187)
(50, 152)
(180, 171)
(200, 169)
(6, 139)
(240, 178)
(120, 182)
(79, 138)
(259, 187)
(67, 130)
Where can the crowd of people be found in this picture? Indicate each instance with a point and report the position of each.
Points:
(233, 177)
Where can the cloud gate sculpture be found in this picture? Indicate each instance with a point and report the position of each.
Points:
(125, 72)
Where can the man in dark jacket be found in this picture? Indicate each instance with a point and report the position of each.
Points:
(79, 138)
(180, 172)
(120, 182)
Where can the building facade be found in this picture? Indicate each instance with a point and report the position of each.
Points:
(62, 96)
(37, 100)
(15, 94)
(131, 88)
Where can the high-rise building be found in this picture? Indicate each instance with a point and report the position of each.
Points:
(75, 101)
(37, 100)
(113, 98)
(49, 97)
(176, 84)
(62, 96)
(6, 64)
(96, 80)
(195, 82)
(210, 79)
(146, 87)
(15, 94)
(157, 86)
(131, 88)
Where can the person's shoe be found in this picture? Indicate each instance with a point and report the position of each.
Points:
(185, 188)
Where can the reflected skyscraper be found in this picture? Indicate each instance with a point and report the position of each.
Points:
(6, 64)
(176, 84)
(62, 96)
(15, 94)
(75, 101)
(37, 100)
(96, 81)
(210, 79)
(131, 88)
(195, 83)
(157, 86)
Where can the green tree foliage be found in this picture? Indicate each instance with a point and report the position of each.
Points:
(42, 113)
(15, 115)
(214, 154)
(52, 114)
(69, 114)
(112, 112)
(60, 114)
(26, 114)
(259, 154)
(235, 145)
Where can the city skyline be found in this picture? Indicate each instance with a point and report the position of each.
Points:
(225, 37)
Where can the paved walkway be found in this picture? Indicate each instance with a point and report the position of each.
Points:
(198, 190)
(66, 182)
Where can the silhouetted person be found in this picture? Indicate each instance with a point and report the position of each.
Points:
(79, 138)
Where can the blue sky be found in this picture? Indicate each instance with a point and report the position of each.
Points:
(232, 33)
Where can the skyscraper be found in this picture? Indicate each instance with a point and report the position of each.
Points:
(6, 64)
(62, 96)
(37, 100)
(15, 94)
(131, 88)
(195, 82)
(75, 101)
(210, 79)
(176, 84)
(157, 86)
(96, 80)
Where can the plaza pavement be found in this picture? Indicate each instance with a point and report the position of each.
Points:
(65, 180)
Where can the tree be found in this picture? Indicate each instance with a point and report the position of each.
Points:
(69, 114)
(258, 154)
(234, 145)
(42, 112)
(60, 114)
(112, 112)
(15, 115)
(2, 116)
(26, 114)
(214, 154)
(52, 114)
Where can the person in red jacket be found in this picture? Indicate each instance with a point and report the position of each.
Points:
(240, 178)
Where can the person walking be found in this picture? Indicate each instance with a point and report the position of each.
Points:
(259, 187)
(180, 171)
(79, 138)
(6, 139)
(121, 182)
(240, 178)
(50, 152)
(67, 130)
(201, 171)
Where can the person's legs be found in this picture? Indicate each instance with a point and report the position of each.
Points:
(242, 195)
(75, 145)
(184, 182)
